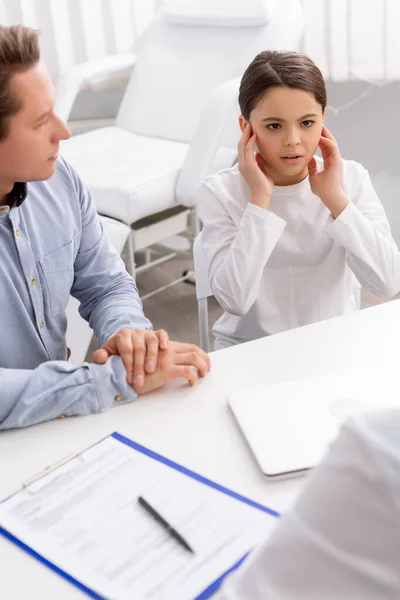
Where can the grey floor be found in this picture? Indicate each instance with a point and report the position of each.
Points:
(175, 309)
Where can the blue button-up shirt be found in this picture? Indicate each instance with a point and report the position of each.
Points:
(53, 245)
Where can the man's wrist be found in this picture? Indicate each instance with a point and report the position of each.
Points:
(110, 383)
(151, 382)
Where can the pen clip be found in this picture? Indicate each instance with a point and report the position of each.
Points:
(36, 479)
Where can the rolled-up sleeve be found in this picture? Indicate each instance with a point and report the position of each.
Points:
(58, 388)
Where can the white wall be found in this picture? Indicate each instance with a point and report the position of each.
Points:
(369, 131)
(356, 43)
(74, 31)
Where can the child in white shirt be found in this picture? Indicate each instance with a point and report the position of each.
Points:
(289, 237)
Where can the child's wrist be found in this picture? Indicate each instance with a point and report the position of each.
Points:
(336, 203)
(261, 199)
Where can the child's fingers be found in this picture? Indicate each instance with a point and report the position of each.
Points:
(326, 133)
(250, 146)
(243, 142)
(261, 163)
(312, 167)
(327, 142)
(246, 134)
(241, 152)
(259, 159)
(328, 147)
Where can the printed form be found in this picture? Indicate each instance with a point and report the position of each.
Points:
(85, 518)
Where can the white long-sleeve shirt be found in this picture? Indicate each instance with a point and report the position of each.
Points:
(293, 264)
(341, 540)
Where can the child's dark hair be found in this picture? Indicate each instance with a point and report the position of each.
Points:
(271, 69)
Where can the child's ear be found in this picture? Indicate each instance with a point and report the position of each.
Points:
(323, 116)
(242, 123)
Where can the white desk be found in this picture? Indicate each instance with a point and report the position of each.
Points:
(193, 425)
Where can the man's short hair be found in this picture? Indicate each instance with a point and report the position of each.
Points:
(19, 51)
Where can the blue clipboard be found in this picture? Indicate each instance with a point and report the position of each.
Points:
(213, 587)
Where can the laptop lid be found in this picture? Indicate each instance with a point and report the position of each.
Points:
(289, 426)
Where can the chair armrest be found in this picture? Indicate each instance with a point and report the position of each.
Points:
(92, 75)
(217, 127)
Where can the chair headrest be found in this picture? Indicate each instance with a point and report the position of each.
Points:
(218, 13)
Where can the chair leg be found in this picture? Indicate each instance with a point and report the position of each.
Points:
(194, 225)
(131, 255)
(202, 305)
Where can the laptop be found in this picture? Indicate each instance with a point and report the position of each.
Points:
(289, 426)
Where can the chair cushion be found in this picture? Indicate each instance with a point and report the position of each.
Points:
(224, 13)
(143, 176)
(178, 67)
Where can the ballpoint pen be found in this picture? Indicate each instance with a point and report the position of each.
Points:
(167, 526)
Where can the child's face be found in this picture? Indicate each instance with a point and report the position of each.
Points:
(288, 124)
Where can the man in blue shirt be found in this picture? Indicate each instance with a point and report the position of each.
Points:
(52, 245)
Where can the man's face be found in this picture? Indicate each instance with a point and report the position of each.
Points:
(288, 124)
(29, 151)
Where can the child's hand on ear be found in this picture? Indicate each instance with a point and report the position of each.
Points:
(253, 170)
(327, 184)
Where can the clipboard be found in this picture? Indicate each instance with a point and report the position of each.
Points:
(211, 587)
